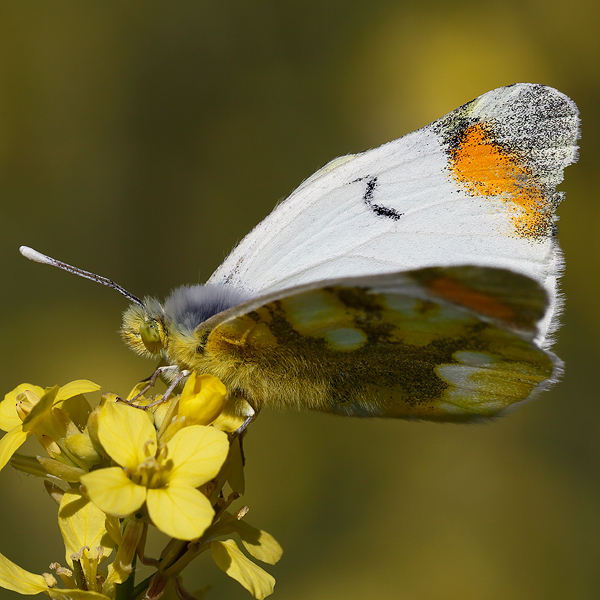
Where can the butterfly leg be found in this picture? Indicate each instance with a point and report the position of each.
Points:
(241, 431)
(242, 428)
(152, 381)
(180, 377)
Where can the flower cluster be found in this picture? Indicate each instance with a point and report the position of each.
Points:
(117, 469)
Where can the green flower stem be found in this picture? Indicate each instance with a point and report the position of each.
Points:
(222, 504)
(79, 575)
(194, 549)
(172, 553)
(137, 591)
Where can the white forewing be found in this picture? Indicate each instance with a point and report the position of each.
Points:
(398, 207)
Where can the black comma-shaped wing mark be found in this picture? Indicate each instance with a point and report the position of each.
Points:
(379, 209)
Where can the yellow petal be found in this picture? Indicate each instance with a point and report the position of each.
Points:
(229, 558)
(113, 492)
(81, 524)
(202, 399)
(137, 389)
(180, 511)
(10, 443)
(92, 430)
(113, 528)
(228, 423)
(259, 543)
(74, 388)
(163, 413)
(78, 409)
(198, 453)
(124, 433)
(41, 410)
(13, 577)
(36, 389)
(9, 419)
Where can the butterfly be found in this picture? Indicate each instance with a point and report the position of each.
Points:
(414, 280)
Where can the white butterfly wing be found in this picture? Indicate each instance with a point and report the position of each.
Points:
(475, 187)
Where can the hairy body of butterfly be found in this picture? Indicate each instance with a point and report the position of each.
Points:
(418, 279)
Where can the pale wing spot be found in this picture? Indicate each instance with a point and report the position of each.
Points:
(314, 313)
(402, 304)
(345, 339)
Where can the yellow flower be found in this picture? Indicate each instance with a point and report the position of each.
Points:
(15, 578)
(230, 559)
(162, 475)
(29, 409)
(259, 543)
(201, 402)
(202, 399)
(83, 526)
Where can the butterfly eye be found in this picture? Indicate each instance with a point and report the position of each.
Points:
(151, 333)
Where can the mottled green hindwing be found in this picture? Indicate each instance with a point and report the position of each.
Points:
(444, 344)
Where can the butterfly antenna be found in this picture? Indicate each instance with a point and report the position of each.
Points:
(38, 257)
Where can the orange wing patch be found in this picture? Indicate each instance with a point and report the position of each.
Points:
(485, 167)
(478, 301)
(510, 298)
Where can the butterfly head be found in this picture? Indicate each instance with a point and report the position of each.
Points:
(153, 329)
(144, 328)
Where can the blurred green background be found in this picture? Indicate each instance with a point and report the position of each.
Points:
(141, 140)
